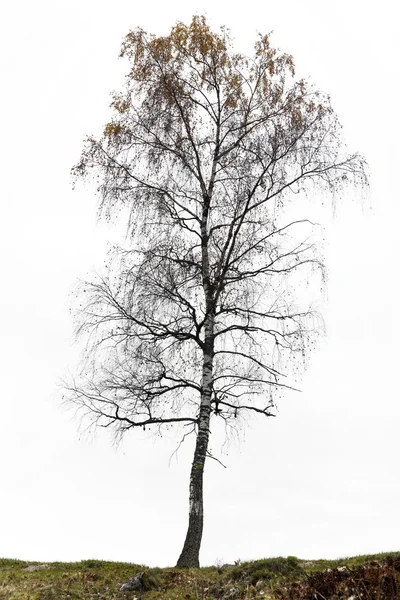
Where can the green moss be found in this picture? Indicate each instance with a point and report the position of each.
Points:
(266, 569)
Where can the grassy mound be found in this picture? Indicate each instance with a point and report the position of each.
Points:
(373, 577)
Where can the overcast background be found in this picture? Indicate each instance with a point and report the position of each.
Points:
(320, 480)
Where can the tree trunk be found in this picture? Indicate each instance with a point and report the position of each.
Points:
(190, 554)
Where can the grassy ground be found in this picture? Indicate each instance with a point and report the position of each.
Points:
(373, 577)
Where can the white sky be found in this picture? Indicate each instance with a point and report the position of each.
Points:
(320, 480)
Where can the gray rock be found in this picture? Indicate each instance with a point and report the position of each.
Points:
(134, 584)
(37, 567)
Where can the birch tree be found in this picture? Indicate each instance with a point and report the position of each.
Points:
(200, 315)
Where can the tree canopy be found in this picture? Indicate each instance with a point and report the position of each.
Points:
(199, 314)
